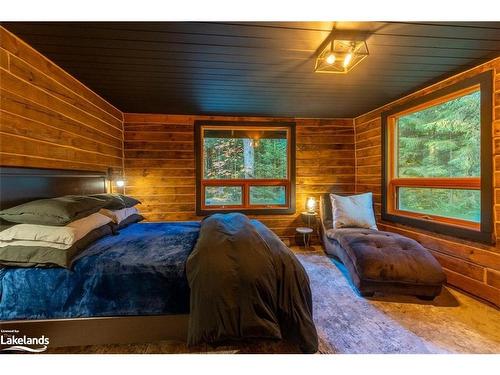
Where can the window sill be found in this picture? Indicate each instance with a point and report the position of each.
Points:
(247, 211)
(469, 234)
(434, 219)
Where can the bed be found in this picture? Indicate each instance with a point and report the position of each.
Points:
(134, 286)
(137, 272)
(67, 325)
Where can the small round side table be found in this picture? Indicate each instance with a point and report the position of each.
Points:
(306, 233)
(309, 218)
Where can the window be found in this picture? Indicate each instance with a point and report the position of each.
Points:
(437, 163)
(245, 166)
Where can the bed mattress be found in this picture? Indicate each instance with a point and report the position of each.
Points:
(140, 271)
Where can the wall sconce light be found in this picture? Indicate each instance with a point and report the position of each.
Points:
(115, 178)
(311, 204)
(341, 55)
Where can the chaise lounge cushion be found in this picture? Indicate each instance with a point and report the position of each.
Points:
(380, 261)
(384, 256)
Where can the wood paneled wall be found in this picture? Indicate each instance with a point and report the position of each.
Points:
(160, 165)
(48, 119)
(470, 266)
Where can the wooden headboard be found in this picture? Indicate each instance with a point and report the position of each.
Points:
(21, 185)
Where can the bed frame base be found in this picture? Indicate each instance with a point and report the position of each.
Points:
(105, 330)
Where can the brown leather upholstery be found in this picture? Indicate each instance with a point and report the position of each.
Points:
(380, 261)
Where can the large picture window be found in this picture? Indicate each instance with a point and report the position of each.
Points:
(247, 167)
(438, 161)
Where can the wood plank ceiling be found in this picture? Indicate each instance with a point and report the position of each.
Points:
(256, 68)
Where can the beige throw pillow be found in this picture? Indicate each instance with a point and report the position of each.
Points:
(355, 211)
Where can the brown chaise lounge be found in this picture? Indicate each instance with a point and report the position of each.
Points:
(380, 261)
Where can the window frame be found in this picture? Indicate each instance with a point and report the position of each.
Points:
(482, 231)
(289, 182)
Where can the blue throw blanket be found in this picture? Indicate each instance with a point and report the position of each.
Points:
(141, 271)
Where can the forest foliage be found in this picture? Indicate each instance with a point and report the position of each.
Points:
(245, 158)
(441, 141)
(225, 158)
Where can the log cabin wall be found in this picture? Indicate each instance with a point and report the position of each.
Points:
(48, 119)
(160, 164)
(470, 266)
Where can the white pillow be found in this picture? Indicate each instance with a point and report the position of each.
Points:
(87, 224)
(119, 215)
(46, 235)
(355, 211)
(54, 245)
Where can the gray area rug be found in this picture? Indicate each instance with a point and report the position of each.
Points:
(348, 323)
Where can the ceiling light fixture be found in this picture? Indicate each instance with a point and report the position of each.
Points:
(347, 59)
(330, 59)
(341, 55)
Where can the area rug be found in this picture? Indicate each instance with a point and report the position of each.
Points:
(348, 323)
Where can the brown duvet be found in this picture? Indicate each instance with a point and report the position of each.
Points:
(246, 284)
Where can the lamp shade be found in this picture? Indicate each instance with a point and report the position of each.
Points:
(311, 204)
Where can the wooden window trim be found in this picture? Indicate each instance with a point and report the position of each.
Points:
(482, 231)
(245, 185)
(245, 207)
(444, 183)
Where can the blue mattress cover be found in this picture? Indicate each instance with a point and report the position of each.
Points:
(140, 271)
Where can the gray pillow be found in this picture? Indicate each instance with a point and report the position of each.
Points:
(43, 256)
(134, 218)
(113, 201)
(53, 211)
(129, 201)
(355, 211)
(117, 201)
(5, 224)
